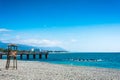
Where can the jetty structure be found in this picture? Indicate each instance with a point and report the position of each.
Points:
(25, 53)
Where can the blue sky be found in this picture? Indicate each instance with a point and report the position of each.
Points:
(76, 25)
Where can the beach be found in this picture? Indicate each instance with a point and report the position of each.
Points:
(33, 70)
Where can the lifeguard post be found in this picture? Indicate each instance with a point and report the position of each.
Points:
(12, 52)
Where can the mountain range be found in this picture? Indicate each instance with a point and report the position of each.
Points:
(27, 47)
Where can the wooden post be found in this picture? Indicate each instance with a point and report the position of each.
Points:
(10, 55)
(15, 62)
(40, 56)
(8, 62)
(27, 56)
(21, 56)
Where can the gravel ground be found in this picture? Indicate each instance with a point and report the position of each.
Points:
(33, 70)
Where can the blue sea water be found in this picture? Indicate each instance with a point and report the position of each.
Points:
(103, 60)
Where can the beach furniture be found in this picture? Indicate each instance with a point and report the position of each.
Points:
(12, 52)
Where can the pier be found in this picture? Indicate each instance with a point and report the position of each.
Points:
(27, 54)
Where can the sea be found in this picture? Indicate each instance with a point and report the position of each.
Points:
(95, 59)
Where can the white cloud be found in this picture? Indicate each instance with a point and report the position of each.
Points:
(34, 42)
(74, 40)
(6, 35)
(4, 30)
(38, 42)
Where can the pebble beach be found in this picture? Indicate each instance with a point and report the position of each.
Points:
(33, 70)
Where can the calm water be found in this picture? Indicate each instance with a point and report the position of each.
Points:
(105, 60)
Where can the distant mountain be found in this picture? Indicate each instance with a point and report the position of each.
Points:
(26, 47)
(3, 45)
(52, 48)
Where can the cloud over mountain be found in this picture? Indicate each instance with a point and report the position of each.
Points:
(4, 30)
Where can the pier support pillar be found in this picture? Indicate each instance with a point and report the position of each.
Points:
(34, 56)
(21, 56)
(40, 56)
(0, 56)
(27, 56)
(46, 56)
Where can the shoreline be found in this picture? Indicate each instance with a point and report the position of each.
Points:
(33, 70)
(68, 64)
(84, 66)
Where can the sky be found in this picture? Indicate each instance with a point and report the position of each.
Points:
(75, 25)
